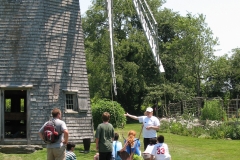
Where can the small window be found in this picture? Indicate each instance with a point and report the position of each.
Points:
(71, 102)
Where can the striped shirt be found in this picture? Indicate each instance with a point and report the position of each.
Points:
(70, 156)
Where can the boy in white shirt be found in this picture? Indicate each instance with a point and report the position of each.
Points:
(147, 153)
(160, 150)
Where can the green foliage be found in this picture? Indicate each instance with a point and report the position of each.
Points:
(187, 53)
(217, 77)
(185, 130)
(213, 130)
(176, 128)
(99, 106)
(136, 157)
(212, 111)
(186, 44)
(198, 131)
(164, 127)
(8, 105)
(232, 130)
(22, 105)
(235, 72)
(216, 132)
(226, 99)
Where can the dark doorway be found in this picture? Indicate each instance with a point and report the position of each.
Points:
(15, 113)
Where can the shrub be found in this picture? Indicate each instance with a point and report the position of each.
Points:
(176, 128)
(136, 157)
(232, 130)
(198, 131)
(115, 110)
(164, 127)
(205, 129)
(212, 111)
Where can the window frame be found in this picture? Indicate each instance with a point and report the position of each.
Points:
(74, 99)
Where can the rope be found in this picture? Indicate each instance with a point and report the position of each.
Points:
(114, 113)
(112, 95)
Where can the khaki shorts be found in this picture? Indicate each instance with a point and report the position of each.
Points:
(56, 153)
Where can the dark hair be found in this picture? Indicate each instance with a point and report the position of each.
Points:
(153, 141)
(160, 139)
(116, 135)
(55, 112)
(105, 116)
(70, 145)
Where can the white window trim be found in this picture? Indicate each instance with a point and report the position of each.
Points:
(16, 86)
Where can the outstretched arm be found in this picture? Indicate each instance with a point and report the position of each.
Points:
(131, 116)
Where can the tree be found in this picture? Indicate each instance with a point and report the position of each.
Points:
(97, 51)
(135, 67)
(187, 54)
(235, 72)
(185, 44)
(217, 77)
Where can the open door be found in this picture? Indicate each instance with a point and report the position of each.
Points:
(15, 114)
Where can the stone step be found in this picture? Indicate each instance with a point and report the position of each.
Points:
(19, 149)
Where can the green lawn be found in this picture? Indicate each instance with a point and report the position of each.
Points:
(181, 148)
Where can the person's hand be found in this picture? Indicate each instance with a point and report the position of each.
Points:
(126, 114)
(149, 127)
(97, 148)
(65, 142)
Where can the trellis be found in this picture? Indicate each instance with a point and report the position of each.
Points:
(175, 109)
(195, 105)
(233, 108)
(192, 107)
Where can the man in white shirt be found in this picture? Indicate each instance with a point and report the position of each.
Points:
(150, 125)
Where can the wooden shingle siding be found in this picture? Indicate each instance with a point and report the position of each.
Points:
(42, 44)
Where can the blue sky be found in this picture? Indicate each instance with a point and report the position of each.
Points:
(222, 16)
(84, 4)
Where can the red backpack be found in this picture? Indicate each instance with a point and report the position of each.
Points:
(50, 134)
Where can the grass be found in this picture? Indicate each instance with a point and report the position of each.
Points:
(181, 148)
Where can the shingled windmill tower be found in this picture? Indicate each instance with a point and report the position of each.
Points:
(42, 66)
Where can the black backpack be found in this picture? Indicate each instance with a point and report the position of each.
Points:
(50, 134)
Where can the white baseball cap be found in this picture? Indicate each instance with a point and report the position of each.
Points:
(149, 109)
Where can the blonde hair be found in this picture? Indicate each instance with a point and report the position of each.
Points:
(131, 136)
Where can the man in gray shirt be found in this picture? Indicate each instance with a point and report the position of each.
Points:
(57, 150)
